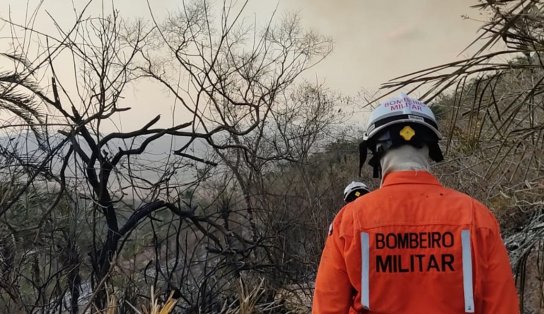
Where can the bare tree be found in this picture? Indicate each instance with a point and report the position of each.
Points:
(99, 197)
(239, 84)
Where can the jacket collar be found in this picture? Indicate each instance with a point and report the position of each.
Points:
(409, 177)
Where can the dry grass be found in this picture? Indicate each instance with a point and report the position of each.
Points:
(154, 308)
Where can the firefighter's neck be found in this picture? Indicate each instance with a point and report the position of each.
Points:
(405, 158)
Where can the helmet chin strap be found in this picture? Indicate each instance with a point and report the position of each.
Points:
(362, 155)
(435, 152)
(376, 167)
(374, 160)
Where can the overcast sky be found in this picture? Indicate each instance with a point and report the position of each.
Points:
(374, 40)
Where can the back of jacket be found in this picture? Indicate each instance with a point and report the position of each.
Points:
(413, 246)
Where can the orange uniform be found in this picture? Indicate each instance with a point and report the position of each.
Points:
(413, 246)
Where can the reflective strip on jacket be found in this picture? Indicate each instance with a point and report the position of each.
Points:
(413, 246)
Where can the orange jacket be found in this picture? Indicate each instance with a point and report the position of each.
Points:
(413, 246)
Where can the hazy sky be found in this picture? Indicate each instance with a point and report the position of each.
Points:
(374, 40)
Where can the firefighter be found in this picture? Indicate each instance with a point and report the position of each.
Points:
(354, 190)
(412, 246)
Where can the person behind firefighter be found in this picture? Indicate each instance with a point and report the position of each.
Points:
(354, 190)
(412, 246)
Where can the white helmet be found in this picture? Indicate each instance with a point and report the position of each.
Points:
(399, 121)
(354, 190)
(400, 110)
